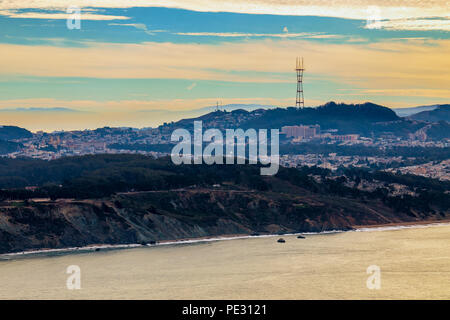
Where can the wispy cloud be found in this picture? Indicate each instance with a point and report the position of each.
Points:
(412, 24)
(192, 86)
(352, 9)
(59, 15)
(409, 92)
(257, 35)
(395, 65)
(391, 15)
(139, 26)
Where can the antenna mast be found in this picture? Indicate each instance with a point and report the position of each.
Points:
(300, 100)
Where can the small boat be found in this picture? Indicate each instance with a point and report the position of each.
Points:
(300, 237)
(281, 240)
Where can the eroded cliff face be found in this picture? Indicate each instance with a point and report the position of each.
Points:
(155, 216)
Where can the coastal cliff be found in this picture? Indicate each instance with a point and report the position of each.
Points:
(142, 217)
(122, 199)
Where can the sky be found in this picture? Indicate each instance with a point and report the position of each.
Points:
(140, 63)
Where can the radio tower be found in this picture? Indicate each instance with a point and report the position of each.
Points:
(300, 101)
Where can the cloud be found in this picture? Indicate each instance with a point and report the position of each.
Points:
(59, 15)
(391, 64)
(192, 86)
(411, 24)
(391, 15)
(352, 9)
(409, 92)
(139, 26)
(257, 35)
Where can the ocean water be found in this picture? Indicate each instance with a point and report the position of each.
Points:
(414, 263)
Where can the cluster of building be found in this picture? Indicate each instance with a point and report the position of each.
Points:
(332, 161)
(49, 146)
(439, 170)
(53, 145)
(302, 133)
(395, 189)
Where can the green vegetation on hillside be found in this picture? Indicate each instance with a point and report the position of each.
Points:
(104, 175)
(8, 147)
(13, 132)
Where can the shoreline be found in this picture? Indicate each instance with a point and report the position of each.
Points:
(403, 225)
(108, 247)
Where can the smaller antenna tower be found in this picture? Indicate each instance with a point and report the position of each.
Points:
(300, 100)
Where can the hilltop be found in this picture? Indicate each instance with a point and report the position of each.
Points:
(440, 113)
(8, 133)
(405, 112)
(13, 132)
(347, 118)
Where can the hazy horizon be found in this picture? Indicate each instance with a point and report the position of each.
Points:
(169, 115)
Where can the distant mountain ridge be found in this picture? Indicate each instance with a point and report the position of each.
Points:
(405, 112)
(236, 106)
(440, 113)
(36, 109)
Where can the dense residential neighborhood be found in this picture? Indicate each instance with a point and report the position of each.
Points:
(312, 140)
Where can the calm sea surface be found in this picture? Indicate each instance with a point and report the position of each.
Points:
(414, 264)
